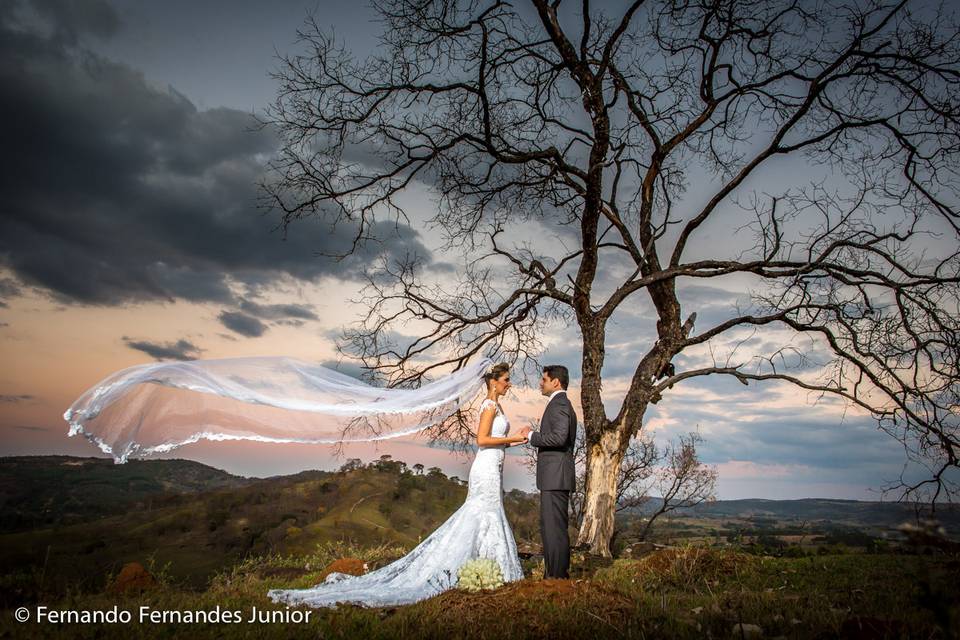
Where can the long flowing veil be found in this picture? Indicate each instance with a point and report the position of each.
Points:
(153, 408)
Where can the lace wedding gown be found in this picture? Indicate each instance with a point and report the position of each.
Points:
(478, 529)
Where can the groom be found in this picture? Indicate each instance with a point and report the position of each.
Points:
(555, 470)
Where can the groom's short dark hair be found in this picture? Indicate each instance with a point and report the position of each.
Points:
(558, 372)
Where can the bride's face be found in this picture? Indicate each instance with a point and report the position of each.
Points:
(502, 384)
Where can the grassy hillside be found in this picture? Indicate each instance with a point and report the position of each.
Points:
(46, 491)
(197, 534)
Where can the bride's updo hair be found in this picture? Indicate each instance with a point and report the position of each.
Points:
(494, 372)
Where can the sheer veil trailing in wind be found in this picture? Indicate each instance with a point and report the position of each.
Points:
(153, 408)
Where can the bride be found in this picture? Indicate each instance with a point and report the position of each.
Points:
(478, 529)
(151, 409)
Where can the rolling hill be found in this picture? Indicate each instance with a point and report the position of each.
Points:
(160, 512)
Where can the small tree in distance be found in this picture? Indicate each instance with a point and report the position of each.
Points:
(351, 465)
(682, 482)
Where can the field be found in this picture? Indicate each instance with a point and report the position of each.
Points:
(681, 592)
(736, 574)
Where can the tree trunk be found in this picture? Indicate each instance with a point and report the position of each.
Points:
(600, 495)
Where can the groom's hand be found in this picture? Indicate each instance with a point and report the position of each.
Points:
(525, 432)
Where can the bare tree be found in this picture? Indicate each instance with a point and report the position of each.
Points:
(824, 132)
(684, 481)
(638, 465)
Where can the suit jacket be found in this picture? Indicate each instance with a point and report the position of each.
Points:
(554, 442)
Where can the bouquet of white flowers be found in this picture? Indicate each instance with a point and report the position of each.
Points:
(480, 573)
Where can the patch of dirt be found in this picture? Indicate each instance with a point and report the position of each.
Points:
(350, 566)
(132, 577)
(530, 595)
(548, 589)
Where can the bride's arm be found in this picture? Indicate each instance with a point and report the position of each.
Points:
(484, 439)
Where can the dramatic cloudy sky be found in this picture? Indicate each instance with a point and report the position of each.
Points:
(129, 234)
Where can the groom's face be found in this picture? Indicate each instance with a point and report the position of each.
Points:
(548, 385)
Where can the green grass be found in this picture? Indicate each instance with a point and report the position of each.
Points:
(686, 592)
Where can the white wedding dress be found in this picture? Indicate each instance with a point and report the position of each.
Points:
(478, 529)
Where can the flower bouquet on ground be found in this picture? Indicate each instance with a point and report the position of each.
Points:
(479, 574)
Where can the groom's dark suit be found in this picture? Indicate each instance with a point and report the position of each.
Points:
(555, 480)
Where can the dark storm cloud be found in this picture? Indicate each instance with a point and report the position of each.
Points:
(8, 289)
(277, 311)
(69, 19)
(350, 368)
(291, 323)
(247, 322)
(116, 191)
(242, 323)
(179, 350)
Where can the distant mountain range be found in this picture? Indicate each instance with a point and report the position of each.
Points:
(852, 512)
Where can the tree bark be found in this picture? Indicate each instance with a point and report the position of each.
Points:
(600, 493)
(606, 440)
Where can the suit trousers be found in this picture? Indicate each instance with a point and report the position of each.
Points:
(554, 519)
